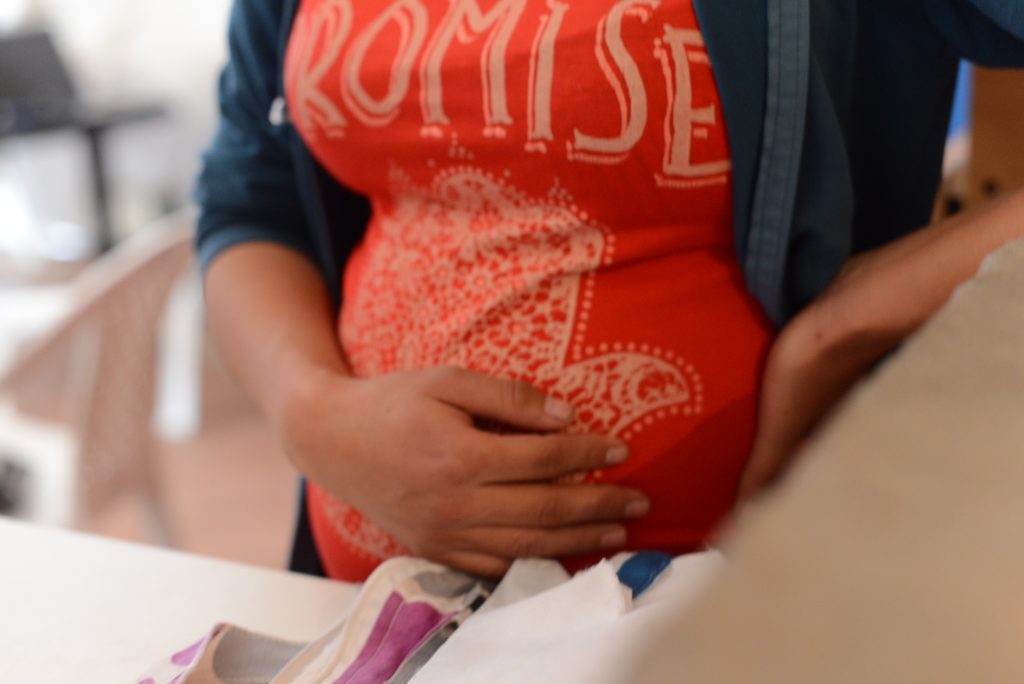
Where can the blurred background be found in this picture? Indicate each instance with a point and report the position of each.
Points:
(115, 416)
(105, 107)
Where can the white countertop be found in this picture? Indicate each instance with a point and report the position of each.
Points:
(80, 608)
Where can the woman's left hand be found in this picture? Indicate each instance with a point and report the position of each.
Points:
(809, 368)
(878, 299)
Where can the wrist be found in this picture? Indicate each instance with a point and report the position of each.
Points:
(300, 392)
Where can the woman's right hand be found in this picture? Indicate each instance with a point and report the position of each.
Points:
(405, 450)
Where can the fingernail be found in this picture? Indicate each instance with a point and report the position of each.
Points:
(638, 508)
(558, 409)
(617, 454)
(614, 540)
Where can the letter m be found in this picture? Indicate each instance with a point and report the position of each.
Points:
(467, 22)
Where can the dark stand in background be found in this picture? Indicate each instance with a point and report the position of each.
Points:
(12, 485)
(37, 96)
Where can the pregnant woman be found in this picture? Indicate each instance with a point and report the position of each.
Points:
(506, 275)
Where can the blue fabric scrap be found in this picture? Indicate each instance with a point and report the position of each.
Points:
(639, 572)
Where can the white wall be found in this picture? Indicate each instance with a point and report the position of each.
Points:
(168, 51)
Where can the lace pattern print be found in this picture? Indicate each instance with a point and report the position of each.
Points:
(552, 202)
(474, 273)
(363, 538)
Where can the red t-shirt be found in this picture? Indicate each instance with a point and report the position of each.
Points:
(551, 196)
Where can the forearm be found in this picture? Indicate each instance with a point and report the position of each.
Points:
(886, 294)
(274, 323)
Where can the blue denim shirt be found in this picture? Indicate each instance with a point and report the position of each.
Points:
(836, 113)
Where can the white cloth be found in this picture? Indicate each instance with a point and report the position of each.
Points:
(584, 630)
(538, 625)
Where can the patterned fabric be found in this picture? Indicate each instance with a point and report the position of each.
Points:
(409, 610)
(551, 192)
(403, 614)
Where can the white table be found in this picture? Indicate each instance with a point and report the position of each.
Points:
(80, 608)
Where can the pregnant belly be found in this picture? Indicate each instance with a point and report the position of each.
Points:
(664, 352)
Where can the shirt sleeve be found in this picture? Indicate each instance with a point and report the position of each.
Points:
(247, 189)
(986, 32)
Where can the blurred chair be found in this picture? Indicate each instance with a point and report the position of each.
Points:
(80, 400)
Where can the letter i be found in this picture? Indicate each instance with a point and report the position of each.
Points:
(542, 67)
